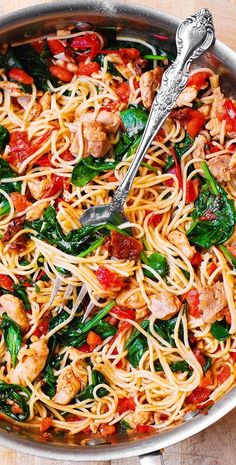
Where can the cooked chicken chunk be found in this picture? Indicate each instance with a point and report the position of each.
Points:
(181, 241)
(212, 301)
(164, 305)
(68, 385)
(220, 167)
(25, 101)
(199, 151)
(149, 83)
(139, 418)
(36, 212)
(45, 101)
(15, 309)
(32, 362)
(110, 121)
(96, 141)
(214, 125)
(187, 96)
(12, 88)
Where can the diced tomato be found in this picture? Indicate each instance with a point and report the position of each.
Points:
(155, 219)
(45, 160)
(207, 379)
(87, 69)
(192, 298)
(20, 148)
(6, 282)
(55, 46)
(61, 73)
(126, 54)
(210, 148)
(192, 190)
(125, 404)
(19, 75)
(229, 115)
(196, 260)
(67, 155)
(85, 42)
(170, 182)
(233, 355)
(93, 339)
(200, 394)
(112, 320)
(107, 430)
(46, 423)
(72, 418)
(124, 247)
(160, 135)
(56, 187)
(112, 178)
(38, 45)
(20, 201)
(41, 275)
(195, 123)
(108, 279)
(199, 356)
(42, 328)
(212, 267)
(113, 105)
(123, 325)
(123, 312)
(39, 141)
(84, 348)
(144, 429)
(123, 92)
(224, 374)
(199, 80)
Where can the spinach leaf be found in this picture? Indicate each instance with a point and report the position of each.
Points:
(207, 365)
(134, 119)
(7, 172)
(156, 261)
(105, 329)
(10, 60)
(181, 365)
(125, 425)
(136, 350)
(180, 149)
(88, 168)
(111, 67)
(214, 214)
(12, 337)
(220, 330)
(11, 394)
(122, 146)
(165, 329)
(51, 382)
(87, 393)
(228, 255)
(4, 137)
(19, 291)
(86, 326)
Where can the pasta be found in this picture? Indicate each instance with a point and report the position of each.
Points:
(160, 341)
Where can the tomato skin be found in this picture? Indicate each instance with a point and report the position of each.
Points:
(46, 423)
(123, 313)
(192, 298)
(108, 279)
(55, 46)
(42, 328)
(20, 201)
(61, 73)
(199, 356)
(224, 374)
(155, 219)
(198, 80)
(233, 355)
(19, 147)
(123, 92)
(196, 260)
(37, 45)
(107, 430)
(84, 348)
(125, 404)
(6, 282)
(229, 115)
(192, 190)
(212, 268)
(93, 339)
(87, 69)
(45, 160)
(67, 155)
(170, 182)
(19, 75)
(56, 187)
(144, 429)
(200, 394)
(195, 123)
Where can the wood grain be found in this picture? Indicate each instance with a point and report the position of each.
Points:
(217, 444)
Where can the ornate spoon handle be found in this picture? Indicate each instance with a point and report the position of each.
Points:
(193, 37)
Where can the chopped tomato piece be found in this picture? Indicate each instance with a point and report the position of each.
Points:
(144, 429)
(124, 247)
(205, 405)
(42, 328)
(107, 430)
(200, 394)
(207, 379)
(210, 148)
(192, 190)
(155, 219)
(72, 418)
(6, 282)
(125, 404)
(212, 267)
(20, 148)
(112, 178)
(199, 80)
(123, 312)
(233, 355)
(224, 374)
(85, 42)
(45, 160)
(19, 75)
(160, 135)
(84, 348)
(93, 339)
(55, 46)
(229, 115)
(20, 201)
(56, 187)
(67, 155)
(61, 73)
(108, 279)
(195, 122)
(123, 92)
(112, 320)
(192, 298)
(170, 182)
(87, 69)
(196, 260)
(199, 356)
(38, 45)
(46, 423)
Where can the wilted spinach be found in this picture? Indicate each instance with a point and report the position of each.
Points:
(7, 172)
(13, 394)
(12, 337)
(88, 168)
(156, 261)
(220, 330)
(181, 365)
(134, 120)
(180, 149)
(87, 393)
(51, 382)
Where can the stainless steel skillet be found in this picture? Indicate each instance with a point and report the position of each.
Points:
(142, 23)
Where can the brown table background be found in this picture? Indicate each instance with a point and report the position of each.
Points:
(217, 444)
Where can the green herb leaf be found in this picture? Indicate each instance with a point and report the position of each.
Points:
(51, 382)
(105, 329)
(220, 330)
(87, 393)
(11, 394)
(134, 120)
(12, 337)
(156, 261)
(4, 137)
(88, 168)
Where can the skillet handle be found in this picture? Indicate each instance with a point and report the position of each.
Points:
(154, 458)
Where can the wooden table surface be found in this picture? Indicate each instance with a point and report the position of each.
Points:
(217, 444)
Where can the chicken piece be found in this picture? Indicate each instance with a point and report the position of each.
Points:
(164, 305)
(96, 141)
(149, 83)
(212, 300)
(68, 385)
(181, 241)
(79, 367)
(24, 102)
(12, 88)
(187, 96)
(38, 187)
(139, 418)
(214, 125)
(15, 309)
(110, 121)
(32, 362)
(199, 151)
(220, 167)
(45, 101)
(37, 211)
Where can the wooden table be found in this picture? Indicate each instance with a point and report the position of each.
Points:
(217, 444)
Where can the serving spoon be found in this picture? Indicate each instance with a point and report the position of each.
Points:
(193, 37)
